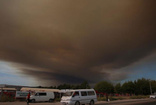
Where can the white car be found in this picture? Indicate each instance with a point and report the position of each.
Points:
(152, 96)
(78, 97)
(42, 96)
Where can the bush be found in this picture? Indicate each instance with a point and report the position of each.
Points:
(111, 98)
(57, 99)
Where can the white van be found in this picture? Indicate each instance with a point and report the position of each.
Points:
(153, 96)
(42, 96)
(78, 97)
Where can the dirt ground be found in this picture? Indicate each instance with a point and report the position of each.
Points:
(24, 103)
(118, 102)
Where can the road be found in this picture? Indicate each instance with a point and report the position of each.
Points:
(119, 102)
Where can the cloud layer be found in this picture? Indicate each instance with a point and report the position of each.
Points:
(71, 41)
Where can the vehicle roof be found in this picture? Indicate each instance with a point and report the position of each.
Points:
(8, 89)
(40, 90)
(80, 90)
(44, 92)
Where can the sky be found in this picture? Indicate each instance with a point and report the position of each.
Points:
(52, 42)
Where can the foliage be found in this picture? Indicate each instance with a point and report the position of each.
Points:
(110, 98)
(101, 98)
(57, 100)
(83, 85)
(128, 87)
(118, 88)
(137, 87)
(104, 87)
(153, 85)
(142, 87)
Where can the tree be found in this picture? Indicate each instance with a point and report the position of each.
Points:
(142, 87)
(118, 88)
(64, 86)
(128, 87)
(104, 87)
(85, 85)
(153, 85)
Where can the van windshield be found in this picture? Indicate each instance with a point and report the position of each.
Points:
(68, 94)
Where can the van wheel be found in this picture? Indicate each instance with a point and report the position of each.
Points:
(77, 103)
(33, 100)
(50, 100)
(91, 102)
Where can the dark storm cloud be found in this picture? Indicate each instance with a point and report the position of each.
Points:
(77, 39)
(54, 76)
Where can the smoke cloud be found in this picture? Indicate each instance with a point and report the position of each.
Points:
(72, 41)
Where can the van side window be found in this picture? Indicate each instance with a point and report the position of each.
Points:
(90, 93)
(83, 93)
(42, 94)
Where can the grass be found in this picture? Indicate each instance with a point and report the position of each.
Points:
(113, 98)
(139, 97)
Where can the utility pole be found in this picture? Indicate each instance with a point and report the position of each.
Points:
(150, 86)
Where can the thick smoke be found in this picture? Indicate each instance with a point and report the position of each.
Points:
(72, 41)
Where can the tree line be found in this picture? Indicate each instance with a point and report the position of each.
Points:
(138, 87)
(84, 85)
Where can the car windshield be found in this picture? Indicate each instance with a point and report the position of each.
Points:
(68, 94)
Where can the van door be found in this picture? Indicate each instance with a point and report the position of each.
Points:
(42, 97)
(76, 96)
(84, 97)
(50, 95)
(37, 97)
(91, 95)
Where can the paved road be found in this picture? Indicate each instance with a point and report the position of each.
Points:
(119, 102)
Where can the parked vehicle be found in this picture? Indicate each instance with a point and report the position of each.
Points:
(152, 96)
(21, 94)
(78, 97)
(42, 96)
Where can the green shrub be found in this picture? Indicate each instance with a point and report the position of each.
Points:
(101, 98)
(112, 98)
(57, 99)
(121, 98)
